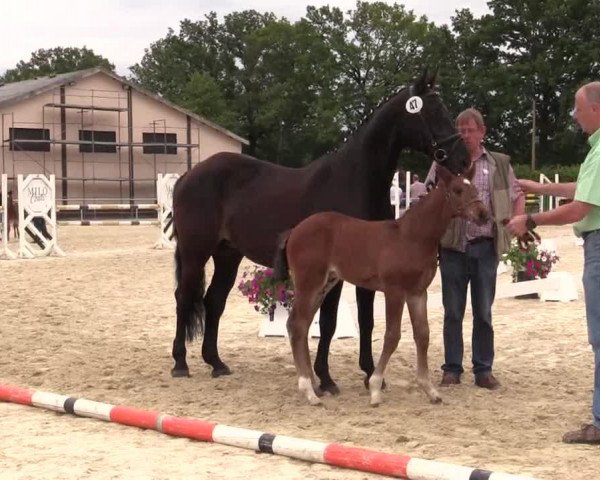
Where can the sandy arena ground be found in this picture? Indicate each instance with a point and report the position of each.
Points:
(99, 324)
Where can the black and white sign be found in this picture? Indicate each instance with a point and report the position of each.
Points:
(414, 104)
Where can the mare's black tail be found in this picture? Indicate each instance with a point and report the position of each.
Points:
(191, 309)
(280, 264)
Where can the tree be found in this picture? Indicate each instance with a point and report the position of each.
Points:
(528, 50)
(262, 68)
(226, 53)
(55, 61)
(297, 103)
(296, 89)
(170, 62)
(203, 95)
(377, 49)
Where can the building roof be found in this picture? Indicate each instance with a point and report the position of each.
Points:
(17, 91)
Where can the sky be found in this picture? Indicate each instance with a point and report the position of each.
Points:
(120, 30)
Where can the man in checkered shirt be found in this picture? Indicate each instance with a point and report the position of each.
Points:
(470, 253)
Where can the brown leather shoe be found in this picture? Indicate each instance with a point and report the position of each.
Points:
(587, 434)
(450, 378)
(487, 380)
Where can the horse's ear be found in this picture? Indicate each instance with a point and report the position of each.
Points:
(420, 85)
(444, 174)
(432, 78)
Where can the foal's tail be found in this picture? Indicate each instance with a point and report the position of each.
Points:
(191, 309)
(280, 264)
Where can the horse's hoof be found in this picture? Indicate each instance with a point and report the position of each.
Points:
(220, 371)
(436, 400)
(180, 372)
(332, 389)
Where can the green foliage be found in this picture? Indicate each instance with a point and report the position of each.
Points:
(203, 95)
(528, 50)
(293, 89)
(414, 162)
(566, 173)
(55, 61)
(377, 48)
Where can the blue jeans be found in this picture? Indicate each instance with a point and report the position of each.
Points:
(478, 265)
(591, 288)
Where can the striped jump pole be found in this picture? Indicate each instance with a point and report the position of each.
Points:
(108, 206)
(108, 223)
(394, 465)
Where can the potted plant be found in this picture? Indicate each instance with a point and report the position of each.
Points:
(262, 290)
(529, 262)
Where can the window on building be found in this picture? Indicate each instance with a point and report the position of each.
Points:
(29, 139)
(164, 138)
(97, 136)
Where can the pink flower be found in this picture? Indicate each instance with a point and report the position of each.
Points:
(261, 289)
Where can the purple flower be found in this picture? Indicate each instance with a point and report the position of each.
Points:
(261, 289)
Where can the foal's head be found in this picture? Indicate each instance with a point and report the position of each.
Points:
(462, 195)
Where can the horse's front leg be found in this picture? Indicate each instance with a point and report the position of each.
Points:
(364, 303)
(394, 303)
(226, 261)
(327, 325)
(417, 308)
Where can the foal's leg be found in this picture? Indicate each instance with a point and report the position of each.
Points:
(394, 303)
(298, 324)
(417, 308)
(327, 325)
(226, 260)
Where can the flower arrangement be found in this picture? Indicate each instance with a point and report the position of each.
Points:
(261, 288)
(530, 259)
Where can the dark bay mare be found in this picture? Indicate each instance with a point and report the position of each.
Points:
(232, 206)
(396, 257)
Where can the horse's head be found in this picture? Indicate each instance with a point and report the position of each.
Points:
(427, 125)
(462, 195)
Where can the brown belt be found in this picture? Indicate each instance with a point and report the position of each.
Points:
(479, 240)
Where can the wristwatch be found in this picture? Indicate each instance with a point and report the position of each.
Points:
(530, 222)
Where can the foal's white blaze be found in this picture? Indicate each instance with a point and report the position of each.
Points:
(305, 386)
(466, 181)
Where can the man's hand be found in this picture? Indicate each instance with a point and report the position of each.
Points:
(517, 226)
(529, 186)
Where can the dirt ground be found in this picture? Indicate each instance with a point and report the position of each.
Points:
(99, 324)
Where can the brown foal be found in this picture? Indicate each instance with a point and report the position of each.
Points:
(398, 258)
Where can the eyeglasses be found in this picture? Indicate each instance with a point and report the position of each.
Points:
(467, 130)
